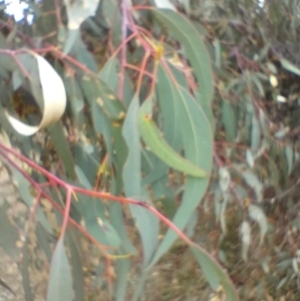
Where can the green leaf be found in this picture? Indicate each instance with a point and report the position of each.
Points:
(27, 197)
(76, 263)
(88, 162)
(229, 121)
(118, 222)
(258, 215)
(102, 126)
(255, 135)
(71, 37)
(79, 51)
(120, 151)
(122, 269)
(100, 228)
(289, 66)
(214, 273)
(25, 275)
(289, 153)
(249, 158)
(245, 232)
(153, 139)
(110, 75)
(60, 279)
(76, 101)
(8, 233)
(132, 168)
(258, 84)
(218, 52)
(95, 90)
(166, 4)
(253, 181)
(195, 50)
(63, 148)
(196, 134)
(168, 109)
(146, 222)
(43, 241)
(94, 216)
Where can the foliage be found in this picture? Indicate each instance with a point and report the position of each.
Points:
(129, 166)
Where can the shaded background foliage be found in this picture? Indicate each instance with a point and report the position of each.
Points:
(248, 218)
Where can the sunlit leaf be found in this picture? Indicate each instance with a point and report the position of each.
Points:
(289, 66)
(245, 232)
(257, 214)
(249, 158)
(224, 179)
(252, 180)
(78, 11)
(166, 4)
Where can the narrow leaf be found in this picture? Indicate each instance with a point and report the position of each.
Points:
(224, 179)
(229, 121)
(289, 153)
(164, 4)
(249, 158)
(194, 47)
(289, 66)
(245, 232)
(153, 139)
(63, 148)
(213, 272)
(196, 135)
(76, 268)
(146, 222)
(257, 214)
(122, 269)
(252, 180)
(255, 135)
(60, 278)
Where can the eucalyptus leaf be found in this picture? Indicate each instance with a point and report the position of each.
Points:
(146, 222)
(257, 214)
(60, 278)
(195, 50)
